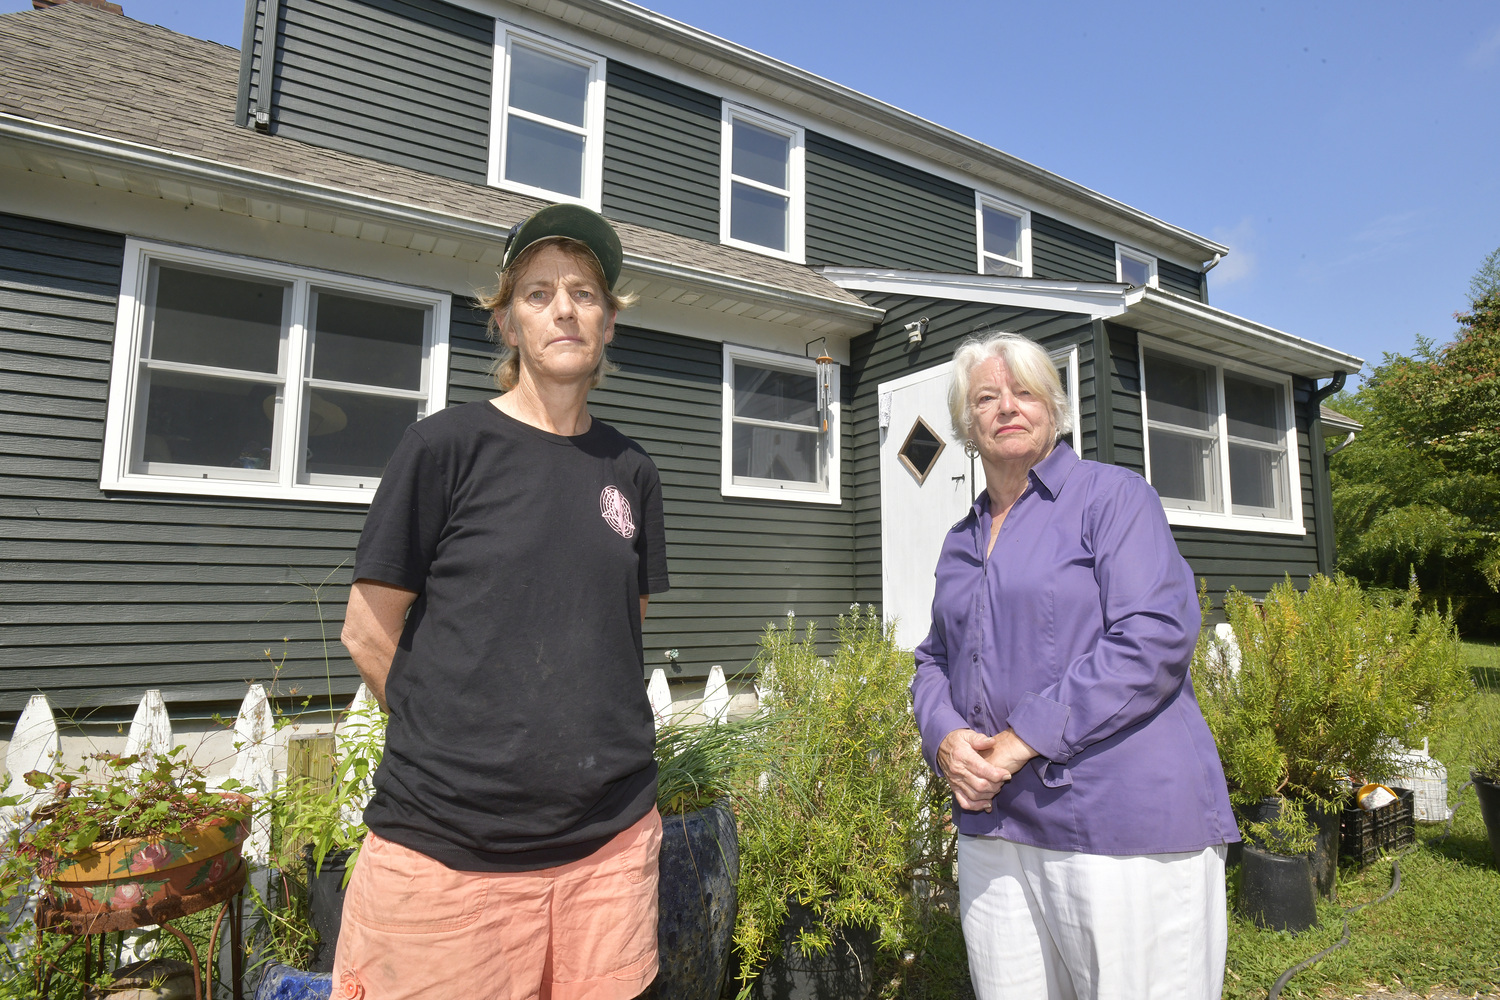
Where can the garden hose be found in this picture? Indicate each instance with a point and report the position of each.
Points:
(1308, 963)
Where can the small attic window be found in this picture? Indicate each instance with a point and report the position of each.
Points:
(1133, 268)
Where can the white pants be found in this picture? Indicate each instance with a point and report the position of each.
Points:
(1066, 926)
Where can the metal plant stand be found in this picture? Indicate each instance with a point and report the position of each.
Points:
(227, 894)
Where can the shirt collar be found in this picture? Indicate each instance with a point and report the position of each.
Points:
(1047, 477)
(1050, 473)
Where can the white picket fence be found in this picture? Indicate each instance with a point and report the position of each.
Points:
(37, 741)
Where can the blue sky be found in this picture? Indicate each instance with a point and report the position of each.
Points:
(1348, 153)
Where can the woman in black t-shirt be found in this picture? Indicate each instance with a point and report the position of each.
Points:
(500, 585)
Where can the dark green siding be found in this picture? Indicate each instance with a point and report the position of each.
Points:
(1182, 280)
(1066, 252)
(106, 595)
(885, 355)
(252, 61)
(661, 154)
(1249, 560)
(866, 210)
(736, 563)
(405, 82)
(102, 596)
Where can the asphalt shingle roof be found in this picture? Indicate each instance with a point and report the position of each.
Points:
(85, 69)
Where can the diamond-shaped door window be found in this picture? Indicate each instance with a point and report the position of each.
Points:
(921, 449)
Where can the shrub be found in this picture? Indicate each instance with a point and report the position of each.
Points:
(1330, 683)
(839, 813)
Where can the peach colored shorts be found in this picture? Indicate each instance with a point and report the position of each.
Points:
(413, 927)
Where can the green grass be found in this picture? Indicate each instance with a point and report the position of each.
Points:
(1441, 929)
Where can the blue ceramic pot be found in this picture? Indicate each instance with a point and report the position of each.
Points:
(700, 866)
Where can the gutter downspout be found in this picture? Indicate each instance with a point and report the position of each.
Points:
(1322, 487)
(1208, 265)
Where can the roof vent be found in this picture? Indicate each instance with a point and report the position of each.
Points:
(113, 8)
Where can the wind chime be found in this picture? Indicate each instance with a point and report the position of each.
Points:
(826, 367)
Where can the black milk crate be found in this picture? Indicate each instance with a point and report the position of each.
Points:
(1365, 835)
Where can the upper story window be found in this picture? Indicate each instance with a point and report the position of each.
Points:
(1134, 268)
(761, 184)
(1221, 444)
(1004, 238)
(244, 378)
(779, 442)
(547, 124)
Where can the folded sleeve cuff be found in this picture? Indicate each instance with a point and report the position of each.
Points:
(1041, 722)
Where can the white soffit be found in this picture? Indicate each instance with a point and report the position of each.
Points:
(1190, 322)
(1096, 300)
(182, 179)
(1165, 314)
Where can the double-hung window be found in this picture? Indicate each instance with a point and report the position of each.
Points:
(781, 435)
(1004, 238)
(234, 377)
(1221, 445)
(1066, 363)
(761, 184)
(1134, 268)
(547, 124)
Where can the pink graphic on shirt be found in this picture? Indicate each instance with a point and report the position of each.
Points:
(616, 511)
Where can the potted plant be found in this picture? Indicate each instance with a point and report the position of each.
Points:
(700, 857)
(1318, 687)
(838, 819)
(1276, 879)
(1485, 770)
(115, 841)
(320, 829)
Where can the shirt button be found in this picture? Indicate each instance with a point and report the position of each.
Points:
(976, 657)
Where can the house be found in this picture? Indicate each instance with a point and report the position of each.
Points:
(228, 280)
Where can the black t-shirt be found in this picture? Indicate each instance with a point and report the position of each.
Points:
(520, 735)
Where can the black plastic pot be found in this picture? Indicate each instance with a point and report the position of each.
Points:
(845, 972)
(1276, 890)
(700, 866)
(325, 904)
(1489, 805)
(1324, 861)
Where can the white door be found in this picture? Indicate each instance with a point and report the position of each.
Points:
(927, 483)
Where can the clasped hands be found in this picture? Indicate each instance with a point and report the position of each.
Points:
(978, 766)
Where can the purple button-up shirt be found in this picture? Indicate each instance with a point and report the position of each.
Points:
(1076, 633)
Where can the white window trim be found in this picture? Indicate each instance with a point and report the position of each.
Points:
(593, 131)
(787, 362)
(130, 319)
(1228, 520)
(796, 220)
(1122, 251)
(983, 201)
(1068, 356)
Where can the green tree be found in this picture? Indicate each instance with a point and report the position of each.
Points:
(1486, 280)
(1419, 491)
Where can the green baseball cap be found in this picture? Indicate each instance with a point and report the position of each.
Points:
(575, 222)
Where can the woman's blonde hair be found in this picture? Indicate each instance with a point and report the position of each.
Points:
(506, 369)
(1028, 364)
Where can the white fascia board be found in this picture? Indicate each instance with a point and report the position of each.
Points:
(1185, 320)
(183, 167)
(1096, 300)
(705, 54)
(861, 314)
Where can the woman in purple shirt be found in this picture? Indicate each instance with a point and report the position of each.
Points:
(1053, 696)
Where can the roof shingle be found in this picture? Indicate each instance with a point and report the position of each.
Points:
(102, 73)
